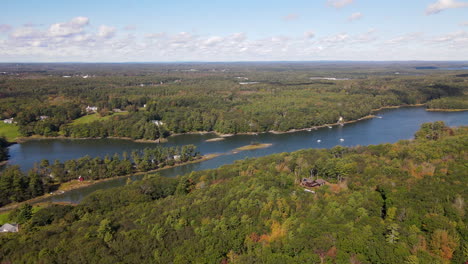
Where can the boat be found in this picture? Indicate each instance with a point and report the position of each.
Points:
(309, 129)
(379, 117)
(318, 140)
(341, 139)
(329, 126)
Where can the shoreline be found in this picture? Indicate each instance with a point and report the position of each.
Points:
(221, 135)
(445, 110)
(75, 185)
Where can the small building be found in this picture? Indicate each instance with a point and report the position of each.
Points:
(9, 228)
(8, 121)
(307, 182)
(43, 117)
(91, 109)
(176, 157)
(157, 122)
(80, 179)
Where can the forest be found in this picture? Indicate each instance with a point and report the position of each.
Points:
(389, 203)
(17, 186)
(153, 101)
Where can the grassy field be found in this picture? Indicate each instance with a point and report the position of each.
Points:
(4, 218)
(95, 117)
(10, 131)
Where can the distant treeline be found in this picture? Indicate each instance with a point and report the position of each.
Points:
(211, 100)
(460, 102)
(16, 186)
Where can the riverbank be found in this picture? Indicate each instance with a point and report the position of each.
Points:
(38, 137)
(221, 136)
(75, 184)
(445, 110)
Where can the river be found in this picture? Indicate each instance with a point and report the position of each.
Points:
(394, 125)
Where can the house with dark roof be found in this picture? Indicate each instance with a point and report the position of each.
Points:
(308, 182)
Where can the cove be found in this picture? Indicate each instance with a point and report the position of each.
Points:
(394, 125)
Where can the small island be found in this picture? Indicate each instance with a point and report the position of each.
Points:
(215, 139)
(254, 146)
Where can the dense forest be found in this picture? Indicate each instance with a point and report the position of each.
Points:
(16, 186)
(151, 101)
(390, 203)
(3, 149)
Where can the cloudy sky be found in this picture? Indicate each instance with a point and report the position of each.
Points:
(240, 30)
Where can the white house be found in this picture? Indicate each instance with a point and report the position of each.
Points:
(157, 122)
(7, 228)
(91, 109)
(8, 121)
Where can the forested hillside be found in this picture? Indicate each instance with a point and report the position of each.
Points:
(391, 203)
(151, 101)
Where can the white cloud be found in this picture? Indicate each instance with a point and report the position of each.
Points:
(130, 27)
(454, 37)
(5, 28)
(355, 16)
(441, 5)
(66, 29)
(238, 37)
(106, 32)
(75, 41)
(405, 38)
(342, 37)
(155, 35)
(365, 37)
(309, 34)
(213, 41)
(291, 17)
(25, 33)
(340, 3)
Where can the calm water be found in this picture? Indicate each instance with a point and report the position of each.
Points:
(395, 124)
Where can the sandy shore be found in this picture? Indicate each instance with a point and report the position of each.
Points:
(445, 110)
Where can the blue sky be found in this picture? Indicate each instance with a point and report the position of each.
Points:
(144, 30)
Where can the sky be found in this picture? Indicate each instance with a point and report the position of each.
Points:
(241, 30)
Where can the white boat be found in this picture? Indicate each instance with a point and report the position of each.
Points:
(309, 129)
(341, 139)
(318, 140)
(379, 117)
(329, 126)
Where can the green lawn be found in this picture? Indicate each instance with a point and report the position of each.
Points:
(3, 218)
(95, 117)
(10, 131)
